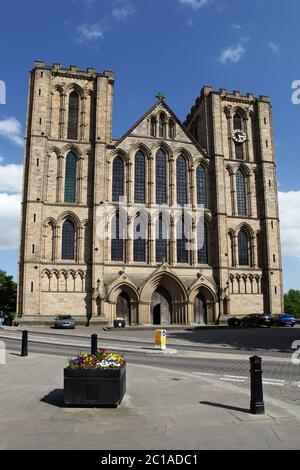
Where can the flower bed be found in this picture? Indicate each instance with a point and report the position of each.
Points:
(95, 380)
(101, 360)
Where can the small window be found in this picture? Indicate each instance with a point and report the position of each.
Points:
(265, 121)
(162, 125)
(31, 287)
(272, 225)
(171, 129)
(37, 162)
(267, 143)
(153, 126)
(40, 121)
(42, 74)
(275, 290)
(32, 249)
(274, 258)
(34, 217)
(40, 92)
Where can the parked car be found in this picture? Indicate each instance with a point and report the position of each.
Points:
(283, 320)
(251, 321)
(5, 320)
(64, 321)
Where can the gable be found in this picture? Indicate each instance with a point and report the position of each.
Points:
(141, 129)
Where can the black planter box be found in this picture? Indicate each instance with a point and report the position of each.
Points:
(94, 387)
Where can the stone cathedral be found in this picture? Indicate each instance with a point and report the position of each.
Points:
(222, 158)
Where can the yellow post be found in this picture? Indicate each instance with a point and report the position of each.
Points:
(161, 339)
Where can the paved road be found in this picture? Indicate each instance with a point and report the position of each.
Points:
(281, 376)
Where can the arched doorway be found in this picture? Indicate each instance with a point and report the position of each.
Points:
(200, 310)
(123, 309)
(161, 307)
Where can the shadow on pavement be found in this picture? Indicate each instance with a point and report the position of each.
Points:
(225, 407)
(250, 339)
(55, 398)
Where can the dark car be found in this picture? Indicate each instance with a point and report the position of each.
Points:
(284, 320)
(251, 321)
(64, 321)
(5, 320)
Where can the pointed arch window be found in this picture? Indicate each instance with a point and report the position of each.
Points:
(241, 193)
(201, 186)
(181, 176)
(162, 125)
(161, 240)
(70, 178)
(243, 246)
(73, 116)
(140, 179)
(171, 129)
(161, 178)
(153, 126)
(118, 179)
(117, 238)
(139, 239)
(202, 242)
(68, 240)
(182, 241)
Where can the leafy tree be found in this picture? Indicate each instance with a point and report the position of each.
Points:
(8, 293)
(292, 302)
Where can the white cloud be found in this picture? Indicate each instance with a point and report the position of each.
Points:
(237, 27)
(123, 11)
(195, 4)
(10, 214)
(289, 203)
(11, 128)
(232, 54)
(11, 178)
(90, 32)
(274, 47)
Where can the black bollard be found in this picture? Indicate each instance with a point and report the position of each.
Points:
(257, 406)
(94, 344)
(24, 351)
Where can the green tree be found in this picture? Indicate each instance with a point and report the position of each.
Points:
(8, 292)
(292, 302)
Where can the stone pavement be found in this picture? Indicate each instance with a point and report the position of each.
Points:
(161, 410)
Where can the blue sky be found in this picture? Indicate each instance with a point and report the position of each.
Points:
(174, 46)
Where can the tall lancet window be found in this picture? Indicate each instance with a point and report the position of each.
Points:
(161, 178)
(70, 178)
(201, 186)
(241, 193)
(181, 176)
(73, 116)
(118, 179)
(162, 235)
(182, 241)
(202, 241)
(139, 239)
(243, 245)
(140, 179)
(117, 238)
(68, 241)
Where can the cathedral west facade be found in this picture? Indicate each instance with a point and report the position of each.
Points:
(73, 261)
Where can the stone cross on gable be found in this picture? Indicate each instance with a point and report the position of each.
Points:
(160, 96)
